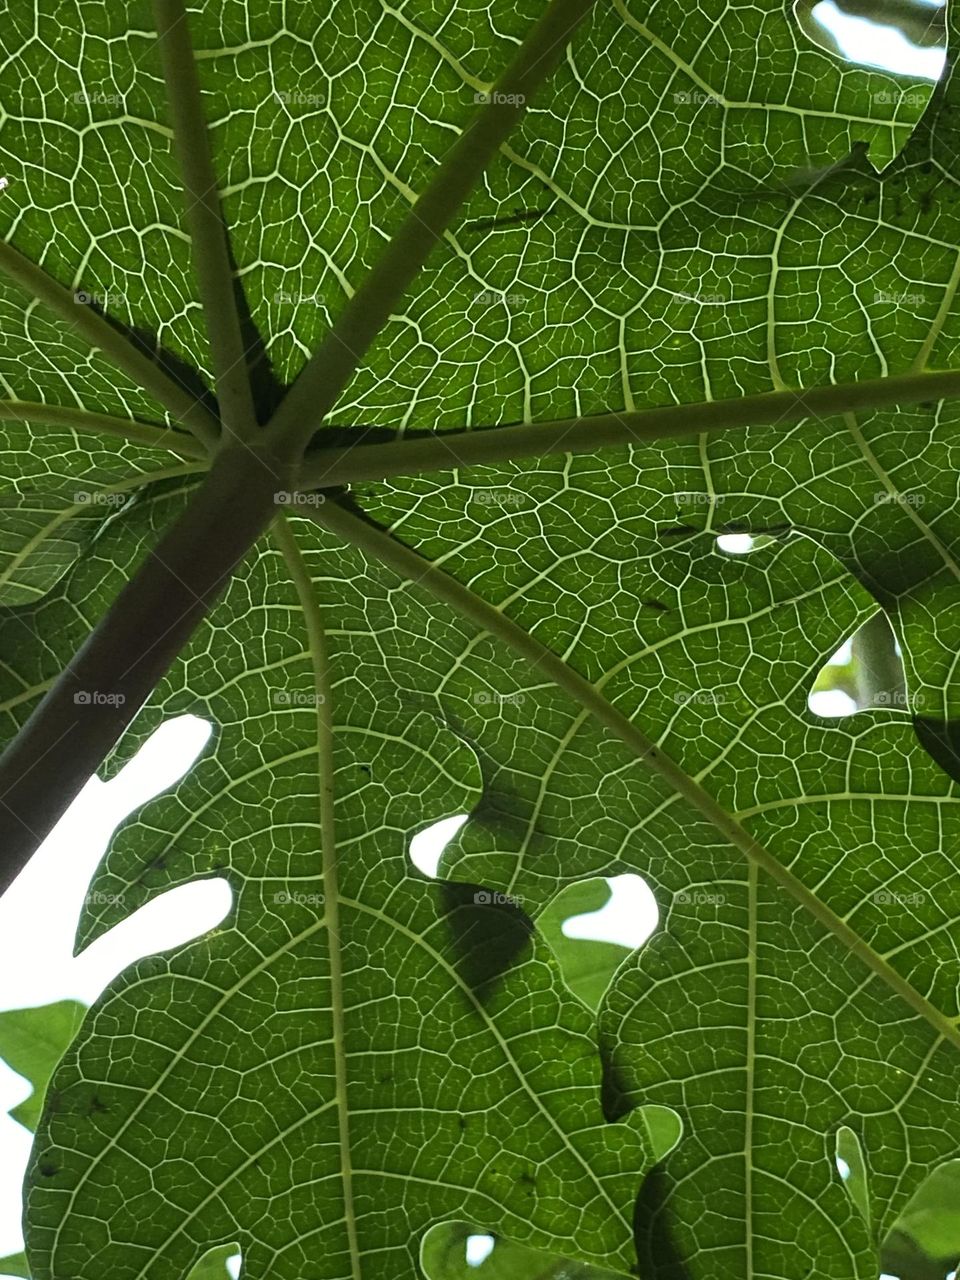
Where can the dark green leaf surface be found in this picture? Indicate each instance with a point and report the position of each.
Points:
(452, 1106)
(690, 213)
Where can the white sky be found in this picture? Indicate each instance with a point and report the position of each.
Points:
(864, 42)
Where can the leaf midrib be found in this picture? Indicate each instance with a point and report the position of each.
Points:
(323, 689)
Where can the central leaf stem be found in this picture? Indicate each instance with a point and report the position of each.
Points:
(131, 648)
(127, 654)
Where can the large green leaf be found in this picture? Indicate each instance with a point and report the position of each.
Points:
(690, 212)
(32, 1042)
(15, 1265)
(319, 159)
(354, 1050)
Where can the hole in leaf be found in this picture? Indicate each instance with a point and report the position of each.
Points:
(831, 704)
(427, 846)
(479, 1248)
(853, 1170)
(67, 861)
(907, 37)
(169, 920)
(46, 899)
(739, 544)
(628, 916)
(593, 925)
(866, 672)
(456, 1251)
(219, 1263)
(163, 760)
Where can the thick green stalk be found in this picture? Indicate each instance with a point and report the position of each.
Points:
(443, 451)
(57, 750)
(319, 386)
(55, 415)
(126, 655)
(211, 258)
